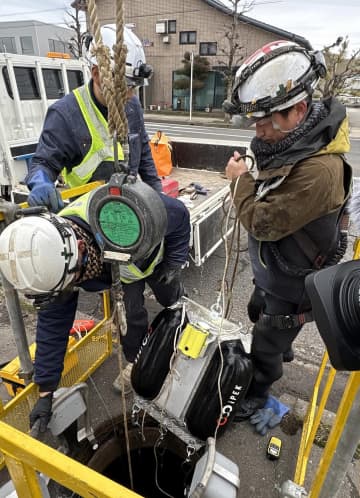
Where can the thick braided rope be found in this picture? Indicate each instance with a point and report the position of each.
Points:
(120, 51)
(102, 53)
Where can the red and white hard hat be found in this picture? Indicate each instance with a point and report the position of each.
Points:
(39, 254)
(276, 77)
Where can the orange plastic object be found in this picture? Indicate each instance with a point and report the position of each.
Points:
(81, 326)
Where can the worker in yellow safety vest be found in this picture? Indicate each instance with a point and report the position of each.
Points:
(75, 140)
(50, 257)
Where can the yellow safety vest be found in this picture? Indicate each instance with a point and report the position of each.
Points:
(128, 274)
(101, 148)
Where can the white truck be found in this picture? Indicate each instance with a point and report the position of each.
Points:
(28, 85)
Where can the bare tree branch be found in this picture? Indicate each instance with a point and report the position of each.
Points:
(75, 44)
(341, 70)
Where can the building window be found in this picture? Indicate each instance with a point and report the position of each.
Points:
(187, 37)
(208, 48)
(7, 44)
(27, 47)
(57, 46)
(172, 26)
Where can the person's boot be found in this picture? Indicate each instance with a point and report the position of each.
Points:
(126, 375)
(248, 406)
(288, 355)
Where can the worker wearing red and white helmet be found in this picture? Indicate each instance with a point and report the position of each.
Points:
(75, 139)
(276, 77)
(292, 206)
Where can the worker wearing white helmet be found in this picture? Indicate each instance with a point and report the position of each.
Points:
(136, 69)
(75, 140)
(49, 257)
(292, 207)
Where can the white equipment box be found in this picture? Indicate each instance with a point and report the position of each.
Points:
(207, 212)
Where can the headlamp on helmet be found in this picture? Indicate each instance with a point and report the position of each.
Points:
(276, 77)
(136, 69)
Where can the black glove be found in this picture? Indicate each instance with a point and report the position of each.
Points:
(165, 274)
(42, 412)
(256, 304)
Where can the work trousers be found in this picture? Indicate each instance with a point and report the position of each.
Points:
(56, 320)
(269, 342)
(136, 313)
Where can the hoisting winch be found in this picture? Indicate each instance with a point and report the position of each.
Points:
(127, 218)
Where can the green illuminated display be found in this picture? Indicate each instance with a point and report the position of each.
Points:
(119, 223)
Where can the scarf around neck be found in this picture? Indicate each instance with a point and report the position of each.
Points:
(265, 153)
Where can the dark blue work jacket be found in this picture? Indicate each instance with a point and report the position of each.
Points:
(55, 322)
(65, 141)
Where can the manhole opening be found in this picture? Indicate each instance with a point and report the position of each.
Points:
(153, 476)
(159, 468)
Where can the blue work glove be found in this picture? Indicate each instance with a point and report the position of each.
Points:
(41, 413)
(268, 417)
(43, 192)
(165, 274)
(264, 419)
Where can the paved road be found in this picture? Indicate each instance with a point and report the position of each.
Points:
(203, 133)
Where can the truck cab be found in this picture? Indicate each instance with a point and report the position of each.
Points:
(28, 85)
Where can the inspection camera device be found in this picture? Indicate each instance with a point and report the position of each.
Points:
(188, 358)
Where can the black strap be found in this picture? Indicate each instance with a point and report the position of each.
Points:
(309, 248)
(282, 322)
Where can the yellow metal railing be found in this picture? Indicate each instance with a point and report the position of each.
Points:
(66, 194)
(25, 455)
(345, 405)
(81, 360)
(313, 418)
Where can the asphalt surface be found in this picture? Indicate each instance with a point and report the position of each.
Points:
(259, 476)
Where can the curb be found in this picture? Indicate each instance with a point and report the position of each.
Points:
(299, 408)
(215, 122)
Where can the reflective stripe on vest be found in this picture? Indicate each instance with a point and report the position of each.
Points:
(132, 273)
(128, 274)
(101, 148)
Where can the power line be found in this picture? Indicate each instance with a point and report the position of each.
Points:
(32, 12)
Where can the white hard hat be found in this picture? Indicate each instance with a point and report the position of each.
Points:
(136, 68)
(39, 254)
(276, 77)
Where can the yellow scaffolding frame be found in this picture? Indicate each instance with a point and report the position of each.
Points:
(25, 455)
(66, 194)
(90, 352)
(82, 358)
(313, 418)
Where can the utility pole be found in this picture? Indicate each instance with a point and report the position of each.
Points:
(191, 83)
